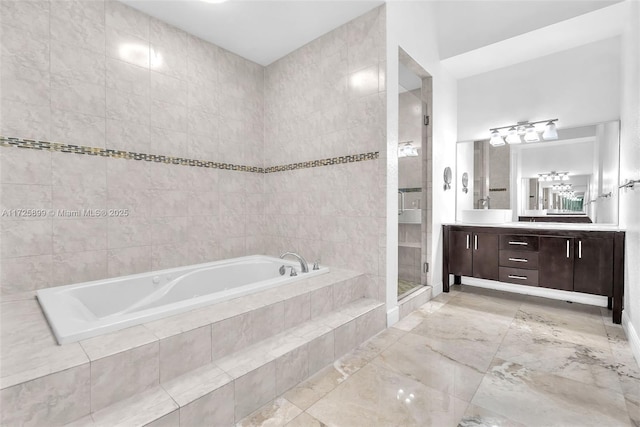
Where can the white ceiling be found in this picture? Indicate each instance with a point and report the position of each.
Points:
(578, 31)
(261, 31)
(472, 24)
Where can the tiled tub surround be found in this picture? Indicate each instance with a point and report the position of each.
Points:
(65, 80)
(85, 310)
(216, 364)
(328, 99)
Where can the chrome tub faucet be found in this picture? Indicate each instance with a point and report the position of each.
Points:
(303, 262)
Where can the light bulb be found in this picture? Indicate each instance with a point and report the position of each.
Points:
(531, 135)
(550, 131)
(496, 139)
(513, 137)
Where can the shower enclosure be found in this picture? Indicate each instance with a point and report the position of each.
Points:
(414, 176)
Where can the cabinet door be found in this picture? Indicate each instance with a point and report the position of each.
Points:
(593, 268)
(555, 263)
(460, 253)
(485, 256)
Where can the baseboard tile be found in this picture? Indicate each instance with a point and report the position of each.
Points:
(632, 336)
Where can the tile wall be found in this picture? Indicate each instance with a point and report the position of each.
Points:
(328, 99)
(100, 74)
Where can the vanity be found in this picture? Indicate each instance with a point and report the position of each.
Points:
(540, 215)
(589, 261)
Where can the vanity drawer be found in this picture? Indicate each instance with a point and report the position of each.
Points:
(519, 242)
(519, 276)
(519, 259)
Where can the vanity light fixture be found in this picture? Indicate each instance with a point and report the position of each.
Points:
(553, 176)
(561, 187)
(526, 131)
(407, 149)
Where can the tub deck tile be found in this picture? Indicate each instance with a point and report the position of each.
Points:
(137, 410)
(311, 330)
(29, 349)
(118, 341)
(197, 383)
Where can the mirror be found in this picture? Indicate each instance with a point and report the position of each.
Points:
(571, 179)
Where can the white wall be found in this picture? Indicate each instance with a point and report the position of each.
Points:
(629, 169)
(412, 26)
(464, 162)
(579, 86)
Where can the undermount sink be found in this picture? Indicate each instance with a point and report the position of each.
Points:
(486, 216)
(410, 216)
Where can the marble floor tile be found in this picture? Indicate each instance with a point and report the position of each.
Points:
(476, 416)
(273, 414)
(413, 357)
(376, 396)
(590, 365)
(316, 387)
(538, 398)
(569, 325)
(477, 357)
(463, 336)
(483, 301)
(304, 420)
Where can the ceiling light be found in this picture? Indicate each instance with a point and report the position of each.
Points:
(531, 135)
(496, 139)
(524, 129)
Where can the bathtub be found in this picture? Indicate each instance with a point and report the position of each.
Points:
(84, 310)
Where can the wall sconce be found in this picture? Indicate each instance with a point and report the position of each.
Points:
(407, 149)
(527, 131)
(465, 183)
(447, 178)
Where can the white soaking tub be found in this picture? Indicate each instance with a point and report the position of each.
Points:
(84, 310)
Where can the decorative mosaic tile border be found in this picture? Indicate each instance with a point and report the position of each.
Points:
(130, 155)
(324, 162)
(410, 190)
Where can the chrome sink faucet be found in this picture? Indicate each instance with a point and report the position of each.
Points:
(303, 262)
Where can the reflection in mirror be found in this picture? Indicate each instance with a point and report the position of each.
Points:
(529, 178)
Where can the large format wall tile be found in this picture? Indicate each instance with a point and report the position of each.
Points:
(125, 81)
(117, 377)
(55, 399)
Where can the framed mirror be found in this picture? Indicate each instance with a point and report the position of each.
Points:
(571, 179)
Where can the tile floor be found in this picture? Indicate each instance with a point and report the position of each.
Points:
(476, 357)
(405, 286)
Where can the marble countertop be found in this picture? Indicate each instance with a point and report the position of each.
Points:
(545, 226)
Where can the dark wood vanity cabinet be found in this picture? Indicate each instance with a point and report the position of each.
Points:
(570, 260)
(593, 265)
(485, 256)
(474, 254)
(461, 255)
(556, 262)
